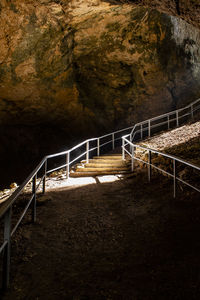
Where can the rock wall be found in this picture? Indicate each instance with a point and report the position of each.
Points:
(133, 63)
(74, 68)
(188, 10)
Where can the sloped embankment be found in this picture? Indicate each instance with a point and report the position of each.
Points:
(182, 142)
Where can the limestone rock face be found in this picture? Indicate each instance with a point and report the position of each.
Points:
(88, 67)
(89, 63)
(188, 10)
(133, 63)
(36, 76)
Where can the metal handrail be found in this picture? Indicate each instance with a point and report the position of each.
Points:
(192, 110)
(148, 162)
(113, 137)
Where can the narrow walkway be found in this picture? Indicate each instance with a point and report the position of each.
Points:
(109, 241)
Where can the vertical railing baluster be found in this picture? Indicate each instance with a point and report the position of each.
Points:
(44, 179)
(113, 141)
(132, 158)
(168, 124)
(174, 176)
(67, 164)
(87, 152)
(149, 165)
(98, 147)
(6, 253)
(141, 132)
(177, 119)
(34, 180)
(123, 149)
(149, 128)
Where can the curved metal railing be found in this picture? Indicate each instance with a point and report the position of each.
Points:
(69, 157)
(164, 121)
(131, 151)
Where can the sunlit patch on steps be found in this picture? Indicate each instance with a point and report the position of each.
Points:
(102, 165)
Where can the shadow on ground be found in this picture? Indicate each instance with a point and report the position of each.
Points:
(121, 240)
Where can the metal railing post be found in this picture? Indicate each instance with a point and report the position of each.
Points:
(192, 112)
(177, 120)
(132, 158)
(141, 132)
(149, 128)
(168, 124)
(98, 147)
(34, 198)
(131, 137)
(113, 141)
(174, 175)
(123, 150)
(149, 165)
(87, 152)
(67, 164)
(44, 179)
(6, 253)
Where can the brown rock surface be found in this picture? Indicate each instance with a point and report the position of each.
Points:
(188, 10)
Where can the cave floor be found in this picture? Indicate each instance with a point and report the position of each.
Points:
(120, 240)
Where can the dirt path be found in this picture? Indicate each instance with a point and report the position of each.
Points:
(110, 241)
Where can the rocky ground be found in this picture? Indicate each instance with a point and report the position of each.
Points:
(183, 143)
(182, 137)
(121, 240)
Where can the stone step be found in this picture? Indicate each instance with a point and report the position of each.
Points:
(104, 160)
(110, 157)
(101, 165)
(114, 162)
(102, 169)
(91, 174)
(106, 165)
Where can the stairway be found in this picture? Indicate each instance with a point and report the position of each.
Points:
(101, 165)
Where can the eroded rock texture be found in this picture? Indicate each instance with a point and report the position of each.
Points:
(188, 10)
(80, 68)
(132, 63)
